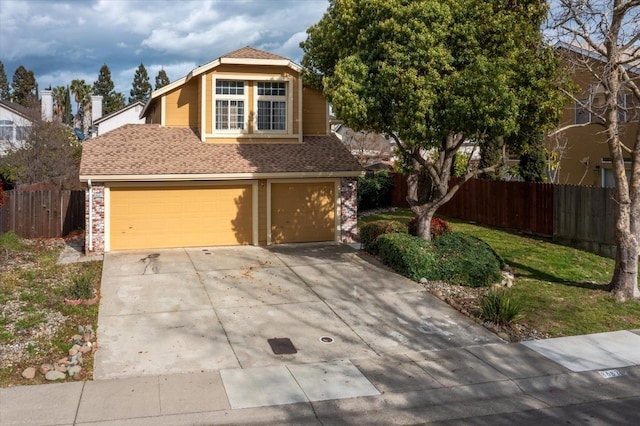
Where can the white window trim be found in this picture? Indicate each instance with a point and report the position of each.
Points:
(215, 97)
(288, 98)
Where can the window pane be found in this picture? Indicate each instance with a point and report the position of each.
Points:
(222, 115)
(22, 132)
(279, 115)
(264, 115)
(271, 88)
(229, 87)
(6, 133)
(272, 115)
(229, 114)
(582, 115)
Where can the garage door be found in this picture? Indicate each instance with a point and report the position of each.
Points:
(161, 217)
(302, 212)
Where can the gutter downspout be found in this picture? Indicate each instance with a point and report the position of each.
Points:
(90, 216)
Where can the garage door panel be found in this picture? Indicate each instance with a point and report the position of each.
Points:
(302, 212)
(180, 216)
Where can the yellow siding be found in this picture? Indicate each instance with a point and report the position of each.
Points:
(314, 112)
(182, 108)
(302, 212)
(247, 139)
(159, 217)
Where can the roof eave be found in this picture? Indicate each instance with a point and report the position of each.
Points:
(218, 177)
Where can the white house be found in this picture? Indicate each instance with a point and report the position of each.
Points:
(14, 125)
(127, 115)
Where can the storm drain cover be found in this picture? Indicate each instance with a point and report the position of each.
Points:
(282, 346)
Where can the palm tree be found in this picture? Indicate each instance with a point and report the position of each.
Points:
(82, 94)
(59, 95)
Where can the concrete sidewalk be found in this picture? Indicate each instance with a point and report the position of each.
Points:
(484, 384)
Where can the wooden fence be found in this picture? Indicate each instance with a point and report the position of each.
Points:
(579, 216)
(42, 213)
(520, 206)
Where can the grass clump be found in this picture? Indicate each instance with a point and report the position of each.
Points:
(499, 307)
(410, 256)
(9, 241)
(82, 286)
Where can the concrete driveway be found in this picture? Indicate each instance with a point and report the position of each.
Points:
(206, 309)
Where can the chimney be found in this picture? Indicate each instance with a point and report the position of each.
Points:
(46, 105)
(96, 112)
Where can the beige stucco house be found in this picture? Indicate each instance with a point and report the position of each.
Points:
(239, 151)
(584, 157)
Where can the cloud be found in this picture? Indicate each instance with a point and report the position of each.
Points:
(62, 40)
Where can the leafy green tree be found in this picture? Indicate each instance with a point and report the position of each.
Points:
(25, 88)
(161, 79)
(5, 90)
(141, 88)
(432, 75)
(533, 160)
(491, 153)
(104, 86)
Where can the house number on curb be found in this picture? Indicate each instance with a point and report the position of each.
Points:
(607, 374)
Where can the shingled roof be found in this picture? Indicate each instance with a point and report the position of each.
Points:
(149, 149)
(249, 52)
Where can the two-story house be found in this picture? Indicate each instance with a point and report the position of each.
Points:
(15, 125)
(239, 151)
(582, 148)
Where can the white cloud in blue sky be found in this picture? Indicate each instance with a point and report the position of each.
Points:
(65, 40)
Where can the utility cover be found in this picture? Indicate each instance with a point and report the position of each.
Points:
(282, 346)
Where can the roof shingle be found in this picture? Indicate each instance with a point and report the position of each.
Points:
(249, 52)
(149, 149)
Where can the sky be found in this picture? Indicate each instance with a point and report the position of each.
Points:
(62, 41)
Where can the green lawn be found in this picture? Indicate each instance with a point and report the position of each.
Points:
(562, 290)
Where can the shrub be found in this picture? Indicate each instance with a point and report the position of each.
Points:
(410, 256)
(438, 227)
(370, 232)
(498, 307)
(81, 285)
(374, 191)
(466, 260)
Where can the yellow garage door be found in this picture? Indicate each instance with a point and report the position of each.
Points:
(161, 217)
(302, 212)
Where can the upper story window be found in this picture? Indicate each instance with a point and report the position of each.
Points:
(592, 108)
(230, 105)
(272, 106)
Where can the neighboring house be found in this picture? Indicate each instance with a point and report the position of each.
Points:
(368, 147)
(127, 115)
(581, 150)
(237, 152)
(15, 123)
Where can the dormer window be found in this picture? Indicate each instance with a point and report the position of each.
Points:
(230, 105)
(272, 106)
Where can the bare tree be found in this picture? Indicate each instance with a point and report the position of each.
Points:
(602, 39)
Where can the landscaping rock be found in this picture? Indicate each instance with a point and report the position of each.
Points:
(55, 375)
(61, 368)
(29, 373)
(74, 371)
(45, 368)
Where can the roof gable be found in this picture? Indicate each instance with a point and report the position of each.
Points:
(17, 109)
(118, 112)
(244, 56)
